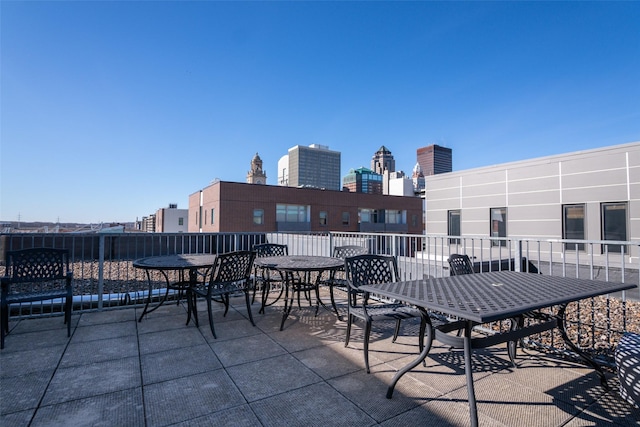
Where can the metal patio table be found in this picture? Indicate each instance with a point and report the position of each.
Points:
(181, 263)
(297, 270)
(491, 297)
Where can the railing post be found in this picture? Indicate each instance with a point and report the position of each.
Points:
(100, 271)
(518, 257)
(330, 243)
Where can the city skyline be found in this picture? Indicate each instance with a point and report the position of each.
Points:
(112, 110)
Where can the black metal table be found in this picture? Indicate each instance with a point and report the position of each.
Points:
(181, 263)
(304, 265)
(490, 297)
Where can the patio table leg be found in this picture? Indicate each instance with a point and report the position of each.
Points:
(287, 303)
(423, 355)
(150, 296)
(468, 369)
(191, 297)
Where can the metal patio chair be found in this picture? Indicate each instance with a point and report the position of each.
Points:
(230, 274)
(37, 274)
(368, 270)
(337, 279)
(266, 279)
(459, 264)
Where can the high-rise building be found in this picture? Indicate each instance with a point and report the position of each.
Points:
(363, 180)
(434, 159)
(418, 179)
(383, 160)
(313, 166)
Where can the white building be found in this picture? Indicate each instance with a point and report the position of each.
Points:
(172, 220)
(591, 195)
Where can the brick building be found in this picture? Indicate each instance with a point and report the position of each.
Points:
(237, 207)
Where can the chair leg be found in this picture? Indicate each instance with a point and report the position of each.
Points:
(367, 334)
(67, 314)
(210, 311)
(4, 325)
(246, 295)
(225, 299)
(333, 302)
(512, 346)
(264, 292)
(396, 331)
(349, 321)
(194, 308)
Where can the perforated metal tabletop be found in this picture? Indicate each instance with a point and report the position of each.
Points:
(488, 297)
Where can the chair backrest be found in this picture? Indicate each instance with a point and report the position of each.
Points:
(232, 267)
(349, 251)
(460, 264)
(270, 249)
(37, 265)
(370, 269)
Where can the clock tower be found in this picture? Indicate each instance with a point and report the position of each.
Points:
(256, 175)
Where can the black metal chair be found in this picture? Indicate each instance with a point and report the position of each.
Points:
(266, 279)
(459, 264)
(337, 279)
(38, 274)
(372, 269)
(230, 274)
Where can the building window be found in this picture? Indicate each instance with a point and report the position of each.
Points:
(292, 213)
(498, 225)
(258, 216)
(573, 226)
(181, 221)
(614, 224)
(213, 211)
(395, 217)
(453, 226)
(414, 220)
(323, 218)
(365, 215)
(346, 218)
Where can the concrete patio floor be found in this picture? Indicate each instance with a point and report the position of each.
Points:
(115, 371)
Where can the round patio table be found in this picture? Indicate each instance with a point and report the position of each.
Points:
(182, 263)
(297, 270)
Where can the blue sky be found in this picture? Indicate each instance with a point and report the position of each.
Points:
(112, 110)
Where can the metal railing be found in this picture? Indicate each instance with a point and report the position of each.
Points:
(104, 276)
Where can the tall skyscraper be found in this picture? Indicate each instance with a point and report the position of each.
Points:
(312, 166)
(434, 159)
(383, 160)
